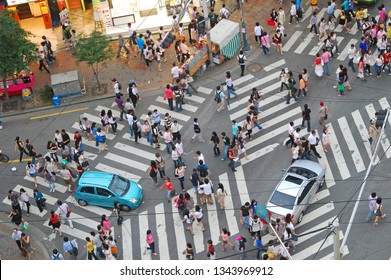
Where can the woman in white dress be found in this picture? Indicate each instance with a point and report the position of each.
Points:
(325, 139)
(318, 63)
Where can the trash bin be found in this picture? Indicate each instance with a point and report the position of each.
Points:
(56, 101)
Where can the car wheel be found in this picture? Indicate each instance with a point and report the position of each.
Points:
(82, 202)
(300, 217)
(125, 208)
(321, 184)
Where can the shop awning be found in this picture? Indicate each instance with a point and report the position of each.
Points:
(226, 35)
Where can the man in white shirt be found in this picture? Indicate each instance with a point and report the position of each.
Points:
(62, 211)
(179, 148)
(184, 50)
(291, 131)
(313, 139)
(174, 72)
(352, 55)
(175, 128)
(116, 86)
(258, 32)
(281, 28)
(199, 156)
(167, 136)
(207, 191)
(255, 226)
(224, 12)
(296, 135)
(129, 116)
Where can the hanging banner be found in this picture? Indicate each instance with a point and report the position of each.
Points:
(105, 14)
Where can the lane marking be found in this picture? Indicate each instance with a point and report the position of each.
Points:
(338, 155)
(59, 113)
(232, 220)
(161, 231)
(127, 252)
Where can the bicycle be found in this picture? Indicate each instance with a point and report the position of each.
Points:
(3, 157)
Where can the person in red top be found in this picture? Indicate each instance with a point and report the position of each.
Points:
(387, 60)
(169, 95)
(318, 66)
(168, 185)
(232, 157)
(210, 248)
(55, 222)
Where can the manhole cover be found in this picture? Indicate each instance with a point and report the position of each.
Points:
(253, 68)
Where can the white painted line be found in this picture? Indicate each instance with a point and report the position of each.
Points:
(127, 238)
(277, 109)
(292, 40)
(126, 161)
(265, 90)
(67, 231)
(179, 230)
(331, 255)
(305, 43)
(344, 53)
(185, 106)
(96, 119)
(143, 227)
(384, 141)
(41, 181)
(320, 195)
(241, 185)
(259, 153)
(257, 83)
(319, 16)
(311, 250)
(338, 155)
(274, 65)
(243, 79)
(270, 135)
(362, 128)
(79, 219)
(161, 232)
(213, 219)
(33, 209)
(143, 141)
(91, 208)
(204, 90)
(290, 114)
(232, 220)
(314, 228)
(109, 169)
(317, 48)
(355, 153)
(354, 29)
(198, 237)
(385, 105)
(314, 215)
(307, 14)
(132, 150)
(173, 114)
(195, 98)
(329, 177)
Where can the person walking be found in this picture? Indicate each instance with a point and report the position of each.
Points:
(160, 162)
(241, 60)
(372, 206)
(230, 86)
(207, 187)
(188, 219)
(373, 131)
(379, 211)
(56, 255)
(170, 189)
(90, 249)
(220, 99)
(221, 193)
(180, 204)
(313, 23)
(39, 200)
(105, 223)
(168, 95)
(31, 171)
(216, 141)
(226, 143)
(152, 171)
(198, 214)
(241, 243)
(324, 113)
(19, 145)
(26, 245)
(291, 130)
(305, 149)
(245, 214)
(225, 234)
(112, 121)
(255, 227)
(121, 44)
(197, 132)
(67, 177)
(14, 199)
(180, 174)
(302, 86)
(17, 236)
(101, 139)
(352, 55)
(189, 252)
(150, 243)
(54, 222)
(64, 212)
(31, 151)
(318, 63)
(291, 91)
(293, 12)
(121, 106)
(25, 199)
(314, 140)
(305, 116)
(325, 139)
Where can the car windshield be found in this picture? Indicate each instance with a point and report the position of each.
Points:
(119, 185)
(302, 172)
(294, 180)
(282, 200)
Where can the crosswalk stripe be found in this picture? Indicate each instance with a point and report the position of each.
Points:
(243, 79)
(213, 220)
(292, 40)
(338, 155)
(143, 141)
(316, 49)
(143, 227)
(41, 181)
(363, 133)
(265, 90)
(384, 141)
(91, 208)
(355, 153)
(135, 151)
(354, 29)
(331, 255)
(127, 161)
(173, 114)
(268, 136)
(66, 230)
(196, 98)
(314, 228)
(229, 208)
(320, 195)
(161, 231)
(106, 168)
(179, 230)
(310, 250)
(314, 215)
(274, 65)
(319, 16)
(82, 220)
(241, 185)
(277, 109)
(185, 107)
(385, 105)
(33, 209)
(307, 13)
(329, 177)
(305, 43)
(344, 53)
(96, 119)
(127, 238)
(204, 90)
(257, 83)
(259, 153)
(287, 115)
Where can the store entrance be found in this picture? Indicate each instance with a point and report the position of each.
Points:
(24, 11)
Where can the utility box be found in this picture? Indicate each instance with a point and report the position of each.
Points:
(66, 84)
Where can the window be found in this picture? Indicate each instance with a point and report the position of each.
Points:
(103, 192)
(282, 200)
(89, 190)
(293, 179)
(302, 172)
(306, 190)
(119, 185)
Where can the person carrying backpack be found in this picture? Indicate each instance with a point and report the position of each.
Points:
(203, 169)
(180, 203)
(219, 98)
(136, 128)
(56, 255)
(241, 242)
(242, 59)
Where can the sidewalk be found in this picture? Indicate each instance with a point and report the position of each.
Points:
(9, 249)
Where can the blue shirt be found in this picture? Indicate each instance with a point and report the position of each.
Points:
(156, 117)
(67, 246)
(298, 3)
(364, 46)
(258, 243)
(345, 5)
(235, 129)
(203, 166)
(16, 236)
(330, 9)
(140, 43)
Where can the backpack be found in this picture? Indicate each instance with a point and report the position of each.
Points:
(135, 126)
(203, 171)
(56, 257)
(241, 59)
(217, 97)
(181, 204)
(119, 85)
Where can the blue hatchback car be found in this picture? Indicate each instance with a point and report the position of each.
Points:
(103, 189)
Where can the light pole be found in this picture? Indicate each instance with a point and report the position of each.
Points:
(245, 43)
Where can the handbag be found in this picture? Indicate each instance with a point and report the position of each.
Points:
(294, 237)
(69, 211)
(85, 164)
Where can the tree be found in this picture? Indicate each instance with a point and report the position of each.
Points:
(95, 50)
(14, 44)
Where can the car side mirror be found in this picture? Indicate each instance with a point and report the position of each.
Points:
(109, 196)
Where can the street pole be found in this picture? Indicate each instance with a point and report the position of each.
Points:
(245, 43)
(363, 185)
(207, 22)
(282, 243)
(337, 243)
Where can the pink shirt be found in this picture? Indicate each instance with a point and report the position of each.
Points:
(326, 57)
(106, 225)
(265, 40)
(150, 238)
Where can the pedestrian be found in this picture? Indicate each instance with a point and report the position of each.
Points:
(313, 23)
(284, 79)
(105, 223)
(175, 129)
(14, 199)
(324, 113)
(352, 55)
(39, 200)
(26, 245)
(241, 243)
(216, 141)
(16, 217)
(57, 255)
(265, 43)
(121, 44)
(379, 65)
(25, 199)
(160, 165)
(279, 228)
(305, 115)
(31, 151)
(318, 63)
(170, 189)
(210, 249)
(325, 139)
(203, 170)
(206, 185)
(64, 212)
(54, 222)
(98, 242)
(40, 55)
(372, 206)
(242, 59)
(313, 141)
(219, 98)
(291, 130)
(168, 94)
(255, 227)
(230, 86)
(174, 72)
(19, 145)
(113, 246)
(107, 252)
(152, 171)
(195, 180)
(305, 148)
(240, 148)
(258, 30)
(189, 252)
(245, 214)
(178, 96)
(226, 143)
(289, 238)
(198, 215)
(373, 131)
(197, 132)
(90, 249)
(295, 149)
(132, 91)
(378, 211)
(293, 12)
(225, 234)
(291, 90)
(188, 219)
(180, 174)
(150, 243)
(221, 193)
(180, 203)
(168, 139)
(31, 170)
(17, 236)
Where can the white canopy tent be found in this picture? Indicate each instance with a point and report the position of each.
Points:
(226, 34)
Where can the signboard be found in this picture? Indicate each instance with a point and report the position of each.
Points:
(18, 2)
(105, 14)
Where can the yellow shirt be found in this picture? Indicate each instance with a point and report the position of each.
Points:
(358, 15)
(90, 246)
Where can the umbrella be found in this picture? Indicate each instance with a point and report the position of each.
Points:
(263, 213)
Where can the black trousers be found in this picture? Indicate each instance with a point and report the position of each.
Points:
(242, 68)
(291, 140)
(313, 148)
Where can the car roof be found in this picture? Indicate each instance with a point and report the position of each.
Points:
(308, 164)
(96, 178)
